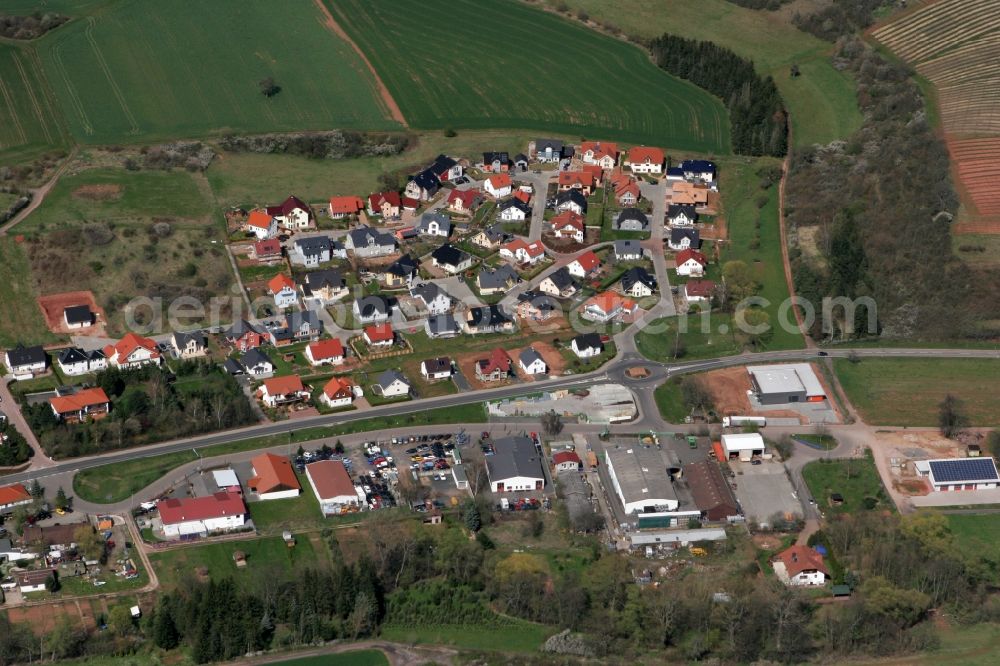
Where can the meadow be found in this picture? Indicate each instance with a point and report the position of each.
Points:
(907, 392)
(22, 319)
(143, 71)
(857, 480)
(545, 73)
(29, 123)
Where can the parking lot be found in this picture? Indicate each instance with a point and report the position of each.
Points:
(764, 490)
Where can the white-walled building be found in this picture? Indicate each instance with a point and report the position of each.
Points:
(515, 466)
(745, 445)
(950, 474)
(639, 478)
(332, 485)
(800, 566)
(221, 512)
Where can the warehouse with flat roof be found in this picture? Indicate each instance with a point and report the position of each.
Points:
(640, 479)
(787, 382)
(745, 445)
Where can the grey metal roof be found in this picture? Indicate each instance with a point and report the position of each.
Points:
(529, 356)
(388, 377)
(444, 323)
(642, 473)
(255, 357)
(514, 456)
(627, 247)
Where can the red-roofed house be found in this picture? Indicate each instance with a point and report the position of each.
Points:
(464, 202)
(282, 390)
(261, 225)
(568, 224)
(596, 172)
(221, 512)
(379, 335)
(498, 185)
(333, 487)
(642, 159)
(292, 214)
(14, 495)
(602, 153)
(576, 180)
(522, 252)
(627, 193)
(691, 263)
(584, 265)
(522, 195)
(607, 306)
(80, 405)
(345, 206)
(495, 368)
(282, 289)
(800, 566)
(338, 392)
(325, 352)
(267, 250)
(566, 461)
(273, 477)
(386, 204)
(132, 351)
(699, 290)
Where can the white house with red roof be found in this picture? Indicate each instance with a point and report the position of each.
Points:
(325, 352)
(584, 265)
(691, 263)
(498, 185)
(261, 225)
(566, 461)
(607, 306)
(576, 180)
(80, 405)
(464, 202)
(800, 566)
(568, 224)
(282, 290)
(339, 392)
(643, 159)
(132, 351)
(190, 516)
(282, 390)
(602, 153)
(379, 335)
(13, 496)
(340, 207)
(523, 252)
(386, 204)
(292, 214)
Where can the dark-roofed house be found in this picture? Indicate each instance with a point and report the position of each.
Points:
(487, 319)
(587, 345)
(74, 361)
(26, 362)
(450, 259)
(698, 170)
(531, 362)
(710, 491)
(638, 283)
(441, 326)
(681, 215)
(559, 284)
(325, 286)
(256, 363)
(548, 150)
(315, 250)
(498, 280)
(434, 223)
(521, 162)
(78, 316)
(193, 344)
(436, 368)
(371, 309)
(682, 238)
(492, 236)
(367, 242)
(445, 168)
(950, 474)
(632, 219)
(513, 210)
(423, 186)
(391, 384)
(536, 306)
(515, 466)
(496, 162)
(243, 335)
(627, 250)
(571, 200)
(400, 273)
(435, 300)
(296, 327)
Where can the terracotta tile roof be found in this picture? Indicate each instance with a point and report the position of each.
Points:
(377, 199)
(609, 301)
(572, 178)
(13, 493)
(522, 196)
(565, 457)
(600, 148)
(330, 479)
(339, 387)
(588, 260)
(346, 205)
(128, 344)
(173, 511)
(274, 473)
(685, 255)
(268, 247)
(702, 288)
(259, 219)
(801, 558)
(379, 332)
(568, 218)
(499, 181)
(67, 404)
(283, 385)
(643, 154)
(498, 358)
(279, 282)
(323, 349)
(596, 172)
(467, 197)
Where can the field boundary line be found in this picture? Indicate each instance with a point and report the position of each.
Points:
(74, 96)
(32, 98)
(13, 112)
(91, 22)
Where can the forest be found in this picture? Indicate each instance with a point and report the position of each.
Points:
(756, 113)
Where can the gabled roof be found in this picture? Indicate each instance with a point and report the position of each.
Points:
(801, 558)
(21, 355)
(643, 154)
(67, 404)
(443, 323)
(327, 278)
(279, 282)
(386, 379)
(274, 473)
(348, 205)
(566, 457)
(377, 198)
(678, 234)
(324, 349)
(495, 279)
(675, 210)
(568, 220)
(488, 314)
(174, 510)
(259, 219)
(284, 385)
(72, 355)
(515, 202)
(514, 457)
(449, 255)
(379, 333)
(490, 157)
(361, 236)
(469, 198)
(183, 338)
(255, 357)
(522, 195)
(561, 279)
(240, 328)
(555, 144)
(600, 148)
(427, 180)
(588, 261)
(698, 165)
(528, 356)
(371, 305)
(633, 214)
(499, 181)
(540, 301)
(313, 245)
(637, 274)
(574, 196)
(627, 247)
(440, 364)
(339, 387)
(520, 157)
(699, 288)
(264, 248)
(609, 301)
(427, 292)
(288, 205)
(533, 249)
(574, 178)
(403, 267)
(498, 359)
(78, 314)
(442, 164)
(330, 479)
(588, 341)
(443, 221)
(686, 255)
(14, 493)
(128, 344)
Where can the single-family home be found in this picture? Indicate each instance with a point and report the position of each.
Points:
(523, 192)
(261, 225)
(800, 566)
(273, 477)
(325, 352)
(379, 335)
(282, 290)
(366, 242)
(332, 486)
(496, 162)
(699, 291)
(243, 335)
(436, 368)
(13, 496)
(341, 207)
(702, 170)
(602, 153)
(386, 204)
(434, 223)
(445, 168)
(400, 273)
(313, 251)
(522, 252)
(513, 210)
(608, 306)
(325, 286)
(256, 363)
(132, 351)
(80, 405)
(441, 326)
(487, 319)
(549, 150)
(521, 162)
(372, 309)
(282, 390)
(464, 202)
(515, 466)
(531, 362)
(638, 283)
(566, 461)
(33, 580)
(392, 384)
(682, 238)
(190, 516)
(643, 159)
(450, 259)
(422, 186)
(536, 306)
(25, 362)
(495, 367)
(492, 236)
(267, 251)
(632, 219)
(627, 192)
(292, 214)
(74, 361)
(78, 316)
(587, 345)
(495, 281)
(436, 301)
(576, 180)
(568, 224)
(585, 265)
(674, 174)
(681, 215)
(571, 200)
(691, 263)
(295, 327)
(498, 185)
(559, 284)
(691, 194)
(338, 392)
(193, 344)
(627, 250)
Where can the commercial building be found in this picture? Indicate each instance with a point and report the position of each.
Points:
(949, 474)
(333, 487)
(744, 445)
(273, 477)
(640, 479)
(711, 494)
(220, 512)
(12, 496)
(515, 466)
(791, 382)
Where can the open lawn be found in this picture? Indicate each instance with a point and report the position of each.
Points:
(821, 100)
(136, 71)
(557, 76)
(22, 319)
(116, 482)
(670, 402)
(705, 337)
(353, 658)
(979, 534)
(29, 122)
(856, 479)
(526, 637)
(264, 555)
(907, 392)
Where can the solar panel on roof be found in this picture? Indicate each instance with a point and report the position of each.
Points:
(964, 469)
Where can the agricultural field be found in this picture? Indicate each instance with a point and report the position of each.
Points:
(134, 71)
(555, 75)
(29, 122)
(821, 100)
(907, 392)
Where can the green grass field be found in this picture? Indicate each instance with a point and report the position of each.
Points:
(907, 392)
(979, 534)
(524, 638)
(670, 402)
(114, 483)
(353, 658)
(22, 319)
(144, 71)
(29, 122)
(821, 101)
(546, 74)
(856, 479)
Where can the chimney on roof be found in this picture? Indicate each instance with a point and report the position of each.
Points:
(795, 557)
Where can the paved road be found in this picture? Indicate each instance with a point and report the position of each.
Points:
(9, 407)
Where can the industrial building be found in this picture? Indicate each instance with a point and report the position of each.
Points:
(711, 494)
(641, 480)
(790, 382)
(949, 474)
(332, 486)
(516, 465)
(744, 445)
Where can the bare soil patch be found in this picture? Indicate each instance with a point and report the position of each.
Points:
(43, 618)
(53, 305)
(100, 192)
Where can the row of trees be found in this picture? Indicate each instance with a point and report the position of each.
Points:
(334, 144)
(756, 112)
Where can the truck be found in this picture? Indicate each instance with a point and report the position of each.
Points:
(734, 421)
